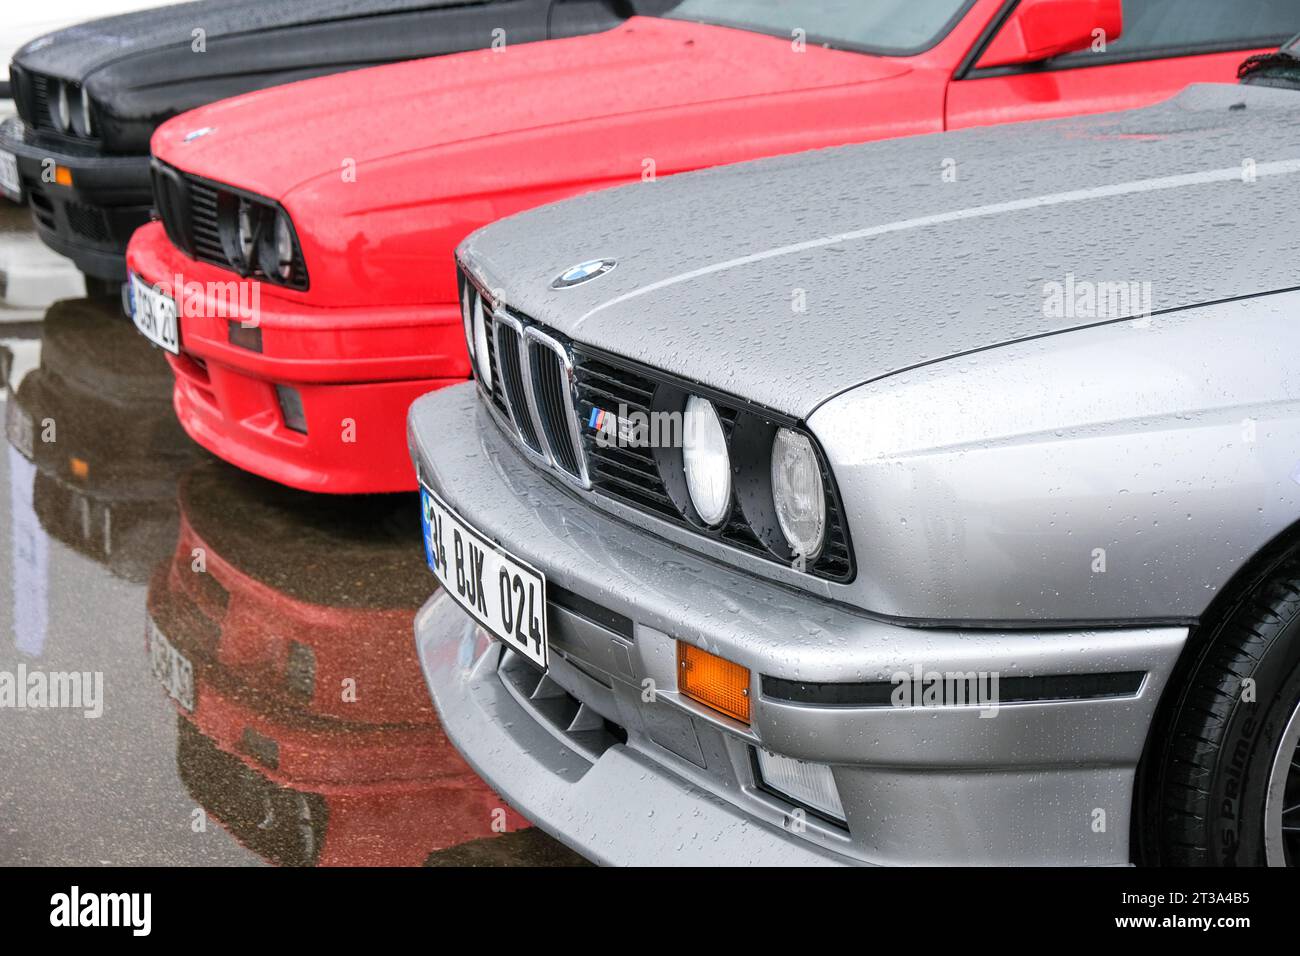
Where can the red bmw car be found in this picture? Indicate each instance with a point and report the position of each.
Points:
(302, 276)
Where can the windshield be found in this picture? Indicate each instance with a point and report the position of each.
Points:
(893, 27)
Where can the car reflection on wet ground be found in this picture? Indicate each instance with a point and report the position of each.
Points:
(262, 698)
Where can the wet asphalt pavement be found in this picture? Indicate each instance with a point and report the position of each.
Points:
(261, 697)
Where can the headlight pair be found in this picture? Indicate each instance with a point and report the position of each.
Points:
(258, 239)
(70, 109)
(797, 486)
(471, 308)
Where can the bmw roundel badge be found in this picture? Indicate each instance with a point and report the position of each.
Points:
(583, 272)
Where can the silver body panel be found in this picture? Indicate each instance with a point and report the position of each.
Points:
(1169, 447)
(938, 785)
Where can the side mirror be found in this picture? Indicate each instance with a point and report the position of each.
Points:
(1040, 29)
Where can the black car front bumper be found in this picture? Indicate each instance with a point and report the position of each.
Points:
(88, 212)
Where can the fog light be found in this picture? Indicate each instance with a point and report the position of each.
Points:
(245, 336)
(713, 681)
(811, 785)
(295, 418)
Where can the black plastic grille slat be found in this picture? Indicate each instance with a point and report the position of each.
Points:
(630, 474)
(659, 500)
(601, 384)
(204, 231)
(624, 462)
(513, 382)
(498, 395)
(554, 405)
(41, 101)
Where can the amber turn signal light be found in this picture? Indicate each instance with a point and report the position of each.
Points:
(713, 681)
(62, 175)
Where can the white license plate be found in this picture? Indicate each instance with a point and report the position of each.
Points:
(172, 668)
(10, 185)
(502, 593)
(154, 314)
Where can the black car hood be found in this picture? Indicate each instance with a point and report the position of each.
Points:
(76, 52)
(143, 65)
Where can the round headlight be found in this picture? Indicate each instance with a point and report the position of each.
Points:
(62, 114)
(798, 493)
(481, 344)
(705, 461)
(277, 254)
(80, 112)
(244, 231)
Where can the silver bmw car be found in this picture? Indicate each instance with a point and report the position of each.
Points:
(934, 501)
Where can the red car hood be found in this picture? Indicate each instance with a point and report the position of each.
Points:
(386, 170)
(646, 64)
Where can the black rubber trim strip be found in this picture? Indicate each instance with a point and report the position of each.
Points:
(1011, 690)
(589, 610)
(991, 29)
(1088, 61)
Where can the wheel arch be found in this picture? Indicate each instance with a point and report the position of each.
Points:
(1257, 569)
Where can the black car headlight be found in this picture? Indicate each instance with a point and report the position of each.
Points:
(737, 472)
(276, 249)
(70, 109)
(82, 123)
(258, 239)
(60, 109)
(798, 492)
(706, 463)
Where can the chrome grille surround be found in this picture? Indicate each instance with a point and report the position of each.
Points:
(533, 390)
(554, 400)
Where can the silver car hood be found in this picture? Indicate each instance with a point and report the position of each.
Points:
(788, 281)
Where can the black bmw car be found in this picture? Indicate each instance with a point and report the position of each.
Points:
(89, 97)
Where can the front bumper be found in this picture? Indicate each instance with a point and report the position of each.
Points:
(1043, 781)
(355, 371)
(91, 220)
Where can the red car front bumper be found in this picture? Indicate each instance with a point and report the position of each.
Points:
(354, 370)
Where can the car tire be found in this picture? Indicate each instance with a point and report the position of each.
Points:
(1230, 766)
